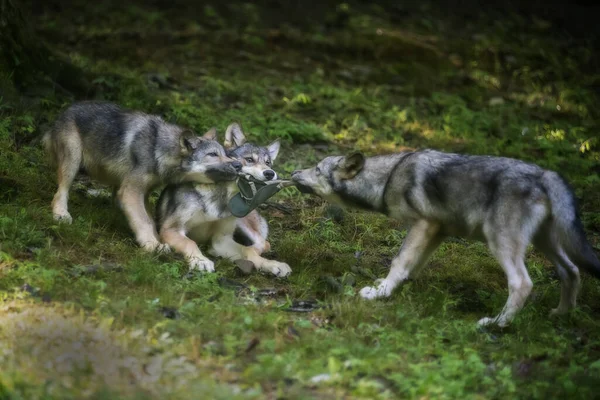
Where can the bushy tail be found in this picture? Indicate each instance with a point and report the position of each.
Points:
(49, 148)
(567, 229)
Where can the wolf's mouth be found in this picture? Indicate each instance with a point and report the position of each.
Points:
(221, 172)
(304, 189)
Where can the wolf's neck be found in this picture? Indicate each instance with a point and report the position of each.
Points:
(366, 190)
(217, 193)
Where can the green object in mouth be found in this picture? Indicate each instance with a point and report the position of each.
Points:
(253, 193)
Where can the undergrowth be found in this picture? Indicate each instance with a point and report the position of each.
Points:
(85, 313)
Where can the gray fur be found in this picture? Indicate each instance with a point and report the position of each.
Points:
(133, 152)
(188, 214)
(505, 202)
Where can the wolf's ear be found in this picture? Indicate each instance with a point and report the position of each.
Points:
(351, 165)
(234, 136)
(188, 141)
(211, 134)
(273, 149)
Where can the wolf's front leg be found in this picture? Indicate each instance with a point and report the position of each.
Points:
(131, 199)
(189, 248)
(422, 239)
(224, 246)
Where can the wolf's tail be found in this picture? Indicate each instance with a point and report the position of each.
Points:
(49, 147)
(567, 229)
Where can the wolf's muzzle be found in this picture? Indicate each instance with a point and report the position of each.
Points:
(304, 189)
(222, 172)
(236, 165)
(269, 174)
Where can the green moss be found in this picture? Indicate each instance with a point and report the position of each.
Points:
(376, 81)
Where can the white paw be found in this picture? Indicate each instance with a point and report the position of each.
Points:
(163, 248)
(277, 268)
(487, 321)
(151, 246)
(382, 290)
(201, 264)
(63, 218)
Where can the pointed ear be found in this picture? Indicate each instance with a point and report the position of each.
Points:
(234, 136)
(273, 149)
(188, 141)
(351, 165)
(211, 134)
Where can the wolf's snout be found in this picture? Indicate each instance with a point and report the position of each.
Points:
(237, 165)
(296, 173)
(269, 174)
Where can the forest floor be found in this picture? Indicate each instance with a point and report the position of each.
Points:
(87, 314)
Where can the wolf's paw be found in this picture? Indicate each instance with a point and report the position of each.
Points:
(163, 248)
(382, 290)
(555, 312)
(63, 218)
(486, 321)
(201, 264)
(151, 246)
(496, 321)
(277, 268)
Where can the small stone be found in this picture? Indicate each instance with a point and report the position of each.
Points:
(170, 312)
(496, 101)
(320, 378)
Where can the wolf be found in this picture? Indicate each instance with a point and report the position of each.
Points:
(504, 202)
(133, 152)
(192, 213)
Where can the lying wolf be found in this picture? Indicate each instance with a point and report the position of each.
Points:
(188, 214)
(134, 152)
(504, 202)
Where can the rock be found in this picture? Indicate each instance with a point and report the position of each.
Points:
(303, 306)
(496, 101)
(320, 378)
(169, 312)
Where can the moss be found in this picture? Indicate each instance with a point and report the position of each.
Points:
(414, 77)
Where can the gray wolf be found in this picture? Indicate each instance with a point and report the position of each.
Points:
(188, 214)
(133, 152)
(505, 202)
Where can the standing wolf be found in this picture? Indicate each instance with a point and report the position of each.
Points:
(188, 214)
(133, 152)
(505, 202)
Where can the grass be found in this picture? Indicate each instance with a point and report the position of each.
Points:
(86, 314)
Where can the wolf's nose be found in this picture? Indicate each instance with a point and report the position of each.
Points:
(269, 174)
(237, 165)
(296, 172)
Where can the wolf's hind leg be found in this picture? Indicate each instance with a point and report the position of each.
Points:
(508, 233)
(510, 253)
(568, 272)
(255, 228)
(422, 239)
(67, 149)
(188, 248)
(224, 246)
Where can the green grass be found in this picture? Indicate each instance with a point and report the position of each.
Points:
(377, 82)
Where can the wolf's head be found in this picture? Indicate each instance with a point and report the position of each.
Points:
(204, 159)
(331, 177)
(256, 161)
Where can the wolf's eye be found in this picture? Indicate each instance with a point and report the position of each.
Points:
(268, 162)
(249, 159)
(213, 154)
(318, 170)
